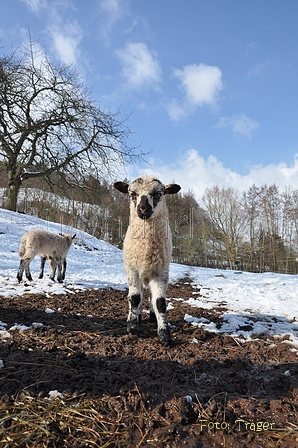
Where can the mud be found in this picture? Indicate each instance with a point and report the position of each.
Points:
(207, 390)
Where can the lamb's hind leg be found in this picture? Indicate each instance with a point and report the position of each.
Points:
(135, 299)
(21, 270)
(158, 287)
(25, 264)
(52, 266)
(59, 265)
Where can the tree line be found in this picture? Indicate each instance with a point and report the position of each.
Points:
(255, 231)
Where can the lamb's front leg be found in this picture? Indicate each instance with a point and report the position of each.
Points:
(63, 268)
(43, 259)
(152, 316)
(158, 287)
(135, 299)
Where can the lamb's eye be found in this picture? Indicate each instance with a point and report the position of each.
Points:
(133, 195)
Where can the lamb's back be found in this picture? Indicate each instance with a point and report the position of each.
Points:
(42, 243)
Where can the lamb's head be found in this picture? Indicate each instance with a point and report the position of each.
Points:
(147, 195)
(68, 238)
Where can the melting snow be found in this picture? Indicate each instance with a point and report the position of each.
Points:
(249, 304)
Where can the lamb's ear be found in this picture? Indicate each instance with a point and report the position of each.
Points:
(172, 188)
(73, 237)
(121, 186)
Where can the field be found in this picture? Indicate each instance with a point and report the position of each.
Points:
(79, 380)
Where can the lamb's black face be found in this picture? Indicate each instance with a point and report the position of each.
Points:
(146, 196)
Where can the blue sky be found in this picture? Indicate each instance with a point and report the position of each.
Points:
(212, 84)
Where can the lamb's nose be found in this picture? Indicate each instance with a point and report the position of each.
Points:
(144, 208)
(144, 205)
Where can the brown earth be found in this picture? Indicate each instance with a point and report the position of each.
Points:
(120, 390)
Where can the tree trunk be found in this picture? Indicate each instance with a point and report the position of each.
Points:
(14, 184)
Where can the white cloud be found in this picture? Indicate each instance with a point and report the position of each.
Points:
(66, 39)
(175, 110)
(240, 124)
(111, 11)
(201, 84)
(35, 5)
(110, 7)
(195, 173)
(65, 36)
(140, 65)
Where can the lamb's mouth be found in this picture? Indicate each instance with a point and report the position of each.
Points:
(144, 215)
(144, 209)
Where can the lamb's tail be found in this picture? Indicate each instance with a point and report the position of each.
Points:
(22, 249)
(145, 282)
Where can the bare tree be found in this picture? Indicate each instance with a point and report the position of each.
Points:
(271, 212)
(50, 124)
(252, 210)
(225, 211)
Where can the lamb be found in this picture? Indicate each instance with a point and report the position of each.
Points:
(147, 251)
(48, 246)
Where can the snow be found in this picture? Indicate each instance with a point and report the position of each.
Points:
(55, 395)
(249, 304)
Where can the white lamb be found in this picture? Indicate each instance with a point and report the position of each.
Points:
(147, 251)
(48, 246)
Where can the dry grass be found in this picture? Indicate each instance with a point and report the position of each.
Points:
(81, 421)
(72, 422)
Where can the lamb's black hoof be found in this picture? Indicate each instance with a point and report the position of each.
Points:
(152, 317)
(164, 336)
(133, 325)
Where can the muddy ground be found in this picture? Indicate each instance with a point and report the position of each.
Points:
(120, 390)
